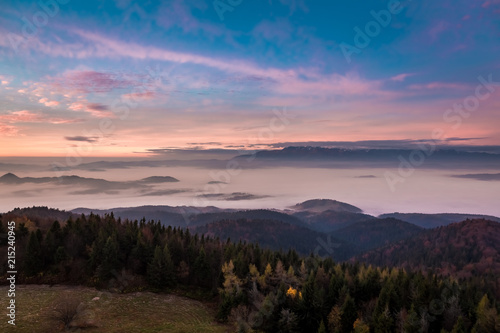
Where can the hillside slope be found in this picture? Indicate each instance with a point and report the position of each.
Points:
(436, 220)
(276, 235)
(375, 233)
(465, 249)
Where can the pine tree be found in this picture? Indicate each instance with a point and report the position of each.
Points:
(3, 231)
(322, 328)
(22, 230)
(288, 322)
(459, 326)
(156, 269)
(33, 261)
(201, 269)
(110, 259)
(169, 268)
(348, 314)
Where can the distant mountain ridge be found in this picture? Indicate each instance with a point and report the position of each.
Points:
(322, 205)
(436, 220)
(10, 178)
(345, 153)
(334, 157)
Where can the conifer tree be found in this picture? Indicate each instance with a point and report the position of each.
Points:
(33, 257)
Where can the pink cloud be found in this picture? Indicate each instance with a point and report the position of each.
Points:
(4, 80)
(291, 81)
(280, 30)
(95, 109)
(8, 130)
(348, 85)
(401, 77)
(286, 81)
(46, 102)
(90, 81)
(488, 3)
(141, 95)
(25, 116)
(438, 29)
(439, 85)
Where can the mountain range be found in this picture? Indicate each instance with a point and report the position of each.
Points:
(333, 228)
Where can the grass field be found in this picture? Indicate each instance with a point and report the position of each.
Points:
(128, 313)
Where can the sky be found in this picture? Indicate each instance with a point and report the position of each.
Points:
(123, 78)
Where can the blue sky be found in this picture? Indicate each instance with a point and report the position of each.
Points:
(124, 77)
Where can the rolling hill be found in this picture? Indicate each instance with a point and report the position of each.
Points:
(375, 233)
(436, 220)
(322, 205)
(275, 235)
(465, 249)
(330, 220)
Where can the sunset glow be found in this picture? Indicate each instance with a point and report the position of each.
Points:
(171, 74)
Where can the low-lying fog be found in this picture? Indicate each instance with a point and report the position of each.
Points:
(203, 183)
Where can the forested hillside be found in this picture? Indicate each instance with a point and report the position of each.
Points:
(257, 289)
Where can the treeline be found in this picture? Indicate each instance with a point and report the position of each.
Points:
(258, 289)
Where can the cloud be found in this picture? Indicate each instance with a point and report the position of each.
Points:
(91, 82)
(488, 3)
(164, 192)
(302, 81)
(87, 186)
(90, 139)
(373, 144)
(141, 95)
(213, 143)
(25, 116)
(4, 80)
(95, 109)
(280, 30)
(480, 176)
(401, 77)
(439, 85)
(235, 196)
(8, 130)
(46, 102)
(438, 29)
